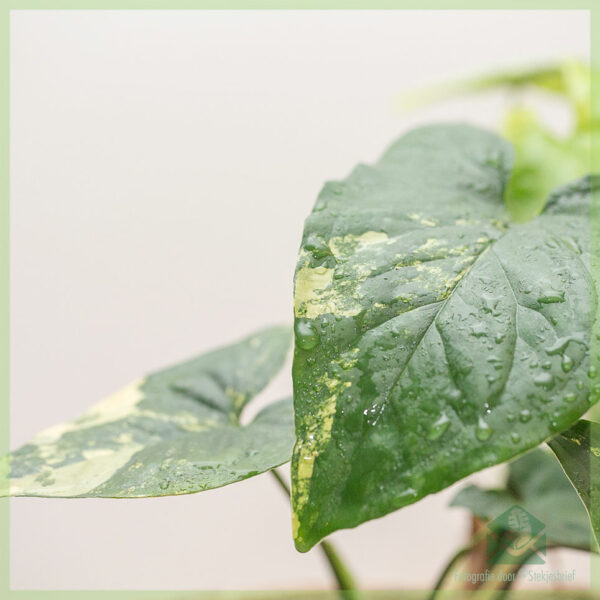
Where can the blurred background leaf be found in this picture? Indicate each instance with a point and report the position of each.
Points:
(544, 159)
(537, 483)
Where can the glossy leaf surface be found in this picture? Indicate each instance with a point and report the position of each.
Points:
(174, 432)
(434, 337)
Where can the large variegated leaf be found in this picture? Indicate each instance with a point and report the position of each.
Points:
(537, 484)
(433, 337)
(578, 450)
(176, 431)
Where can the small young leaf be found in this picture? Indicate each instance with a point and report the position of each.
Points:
(174, 432)
(579, 456)
(434, 338)
(537, 484)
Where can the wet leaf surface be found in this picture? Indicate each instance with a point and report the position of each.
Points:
(434, 337)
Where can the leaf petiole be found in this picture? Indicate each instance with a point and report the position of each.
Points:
(344, 578)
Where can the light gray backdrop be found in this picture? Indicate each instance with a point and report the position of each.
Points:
(162, 165)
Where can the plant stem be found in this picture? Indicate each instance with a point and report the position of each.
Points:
(473, 543)
(504, 590)
(343, 576)
(345, 580)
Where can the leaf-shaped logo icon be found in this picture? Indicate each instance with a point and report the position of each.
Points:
(516, 536)
(518, 521)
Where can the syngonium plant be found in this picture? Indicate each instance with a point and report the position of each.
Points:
(444, 322)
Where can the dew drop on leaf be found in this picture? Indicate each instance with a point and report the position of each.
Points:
(438, 428)
(525, 416)
(567, 363)
(306, 334)
(483, 431)
(551, 297)
(544, 380)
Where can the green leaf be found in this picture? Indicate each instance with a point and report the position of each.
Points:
(537, 484)
(176, 431)
(578, 452)
(434, 338)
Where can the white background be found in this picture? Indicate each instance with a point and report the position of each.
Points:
(162, 164)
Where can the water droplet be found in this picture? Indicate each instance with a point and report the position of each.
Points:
(454, 395)
(439, 427)
(483, 431)
(592, 372)
(306, 334)
(579, 385)
(551, 297)
(525, 416)
(544, 380)
(478, 329)
(515, 437)
(317, 246)
(567, 363)
(570, 397)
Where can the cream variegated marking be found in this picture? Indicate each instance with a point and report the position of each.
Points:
(316, 436)
(316, 292)
(117, 448)
(313, 293)
(115, 407)
(96, 465)
(343, 246)
(76, 478)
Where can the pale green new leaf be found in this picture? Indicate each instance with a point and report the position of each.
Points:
(434, 337)
(544, 158)
(578, 450)
(176, 431)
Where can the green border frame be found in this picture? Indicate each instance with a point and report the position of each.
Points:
(6, 6)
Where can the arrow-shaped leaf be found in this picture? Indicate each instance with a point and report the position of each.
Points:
(174, 432)
(434, 337)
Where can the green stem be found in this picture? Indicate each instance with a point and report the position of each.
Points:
(473, 543)
(345, 581)
(344, 578)
(505, 588)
